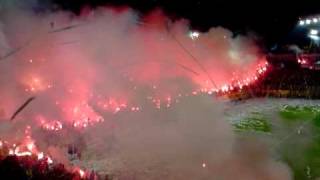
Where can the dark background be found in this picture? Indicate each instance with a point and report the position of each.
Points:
(273, 21)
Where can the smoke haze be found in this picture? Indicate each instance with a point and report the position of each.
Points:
(131, 80)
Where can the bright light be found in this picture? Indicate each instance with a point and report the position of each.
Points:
(204, 165)
(30, 146)
(301, 23)
(49, 160)
(40, 156)
(81, 172)
(313, 32)
(11, 152)
(23, 153)
(314, 37)
(315, 20)
(194, 35)
(225, 88)
(308, 21)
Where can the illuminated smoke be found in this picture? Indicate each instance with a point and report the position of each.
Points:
(99, 62)
(143, 79)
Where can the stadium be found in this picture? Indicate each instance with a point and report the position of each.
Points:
(129, 90)
(293, 72)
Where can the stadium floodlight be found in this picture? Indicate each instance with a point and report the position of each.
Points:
(301, 23)
(315, 20)
(313, 32)
(194, 34)
(308, 21)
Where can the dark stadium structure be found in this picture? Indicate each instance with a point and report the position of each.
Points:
(294, 69)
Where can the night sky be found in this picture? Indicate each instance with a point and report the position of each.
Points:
(271, 20)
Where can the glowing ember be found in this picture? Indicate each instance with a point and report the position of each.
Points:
(49, 160)
(23, 153)
(35, 84)
(82, 173)
(40, 156)
(49, 125)
(30, 146)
